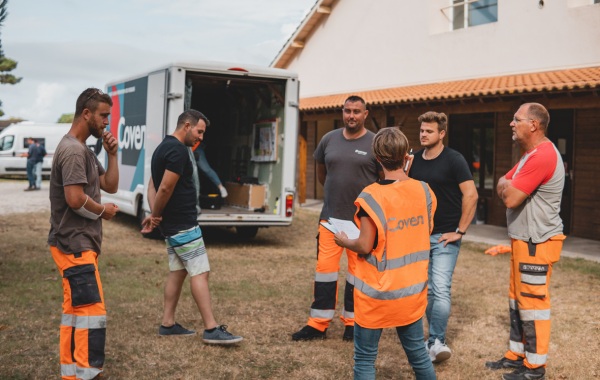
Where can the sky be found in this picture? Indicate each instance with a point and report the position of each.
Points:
(65, 46)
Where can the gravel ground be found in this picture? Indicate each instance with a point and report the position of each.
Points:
(14, 200)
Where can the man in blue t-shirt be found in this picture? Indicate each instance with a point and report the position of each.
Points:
(448, 174)
(172, 198)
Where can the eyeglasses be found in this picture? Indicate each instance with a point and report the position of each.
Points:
(516, 120)
(94, 93)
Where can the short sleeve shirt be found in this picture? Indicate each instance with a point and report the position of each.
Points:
(443, 174)
(180, 212)
(540, 174)
(74, 164)
(351, 166)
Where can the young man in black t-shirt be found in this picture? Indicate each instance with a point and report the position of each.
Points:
(448, 174)
(172, 200)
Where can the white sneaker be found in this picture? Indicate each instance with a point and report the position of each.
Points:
(439, 352)
(223, 191)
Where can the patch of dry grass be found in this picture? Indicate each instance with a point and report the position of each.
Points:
(262, 289)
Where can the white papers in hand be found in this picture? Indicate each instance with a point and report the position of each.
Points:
(344, 225)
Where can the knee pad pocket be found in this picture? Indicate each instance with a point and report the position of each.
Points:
(83, 284)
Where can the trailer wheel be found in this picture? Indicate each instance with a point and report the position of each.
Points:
(246, 232)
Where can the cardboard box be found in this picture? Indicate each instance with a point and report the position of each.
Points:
(245, 195)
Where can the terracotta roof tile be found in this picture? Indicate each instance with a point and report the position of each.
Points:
(559, 80)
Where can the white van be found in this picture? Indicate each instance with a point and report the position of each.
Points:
(14, 147)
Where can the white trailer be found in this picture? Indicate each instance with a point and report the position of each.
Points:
(251, 142)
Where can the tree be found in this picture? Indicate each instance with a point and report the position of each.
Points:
(66, 118)
(6, 64)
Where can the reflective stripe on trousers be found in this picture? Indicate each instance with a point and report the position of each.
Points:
(529, 299)
(322, 309)
(83, 322)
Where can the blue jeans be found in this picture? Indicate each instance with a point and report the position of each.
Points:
(205, 167)
(366, 343)
(442, 261)
(38, 174)
(30, 173)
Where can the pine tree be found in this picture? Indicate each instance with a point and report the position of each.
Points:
(6, 64)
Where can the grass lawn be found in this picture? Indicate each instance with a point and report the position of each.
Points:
(262, 289)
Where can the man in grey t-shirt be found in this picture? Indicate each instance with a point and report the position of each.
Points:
(76, 233)
(345, 166)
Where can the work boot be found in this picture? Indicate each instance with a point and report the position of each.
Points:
(524, 373)
(505, 363)
(308, 333)
(348, 334)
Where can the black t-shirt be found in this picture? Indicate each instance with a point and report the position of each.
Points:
(443, 174)
(180, 212)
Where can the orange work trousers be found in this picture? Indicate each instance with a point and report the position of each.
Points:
(322, 309)
(529, 299)
(83, 322)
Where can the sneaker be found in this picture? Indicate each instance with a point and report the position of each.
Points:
(505, 363)
(348, 334)
(309, 333)
(220, 335)
(524, 373)
(438, 352)
(176, 329)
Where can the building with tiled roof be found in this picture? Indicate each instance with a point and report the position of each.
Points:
(475, 60)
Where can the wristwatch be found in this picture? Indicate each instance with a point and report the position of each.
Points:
(458, 231)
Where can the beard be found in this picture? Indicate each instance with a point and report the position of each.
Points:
(94, 129)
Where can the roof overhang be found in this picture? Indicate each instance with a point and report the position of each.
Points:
(296, 42)
(568, 80)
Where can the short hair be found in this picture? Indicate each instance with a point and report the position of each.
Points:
(354, 99)
(390, 146)
(435, 117)
(191, 116)
(538, 112)
(90, 98)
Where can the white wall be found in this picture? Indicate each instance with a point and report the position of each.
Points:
(377, 44)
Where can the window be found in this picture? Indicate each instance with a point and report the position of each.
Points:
(468, 13)
(6, 142)
(40, 140)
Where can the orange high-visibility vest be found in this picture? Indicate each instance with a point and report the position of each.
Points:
(391, 282)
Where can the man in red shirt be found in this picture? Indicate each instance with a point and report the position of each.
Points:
(532, 192)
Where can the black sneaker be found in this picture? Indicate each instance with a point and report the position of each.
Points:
(220, 335)
(176, 329)
(348, 334)
(505, 363)
(309, 333)
(525, 373)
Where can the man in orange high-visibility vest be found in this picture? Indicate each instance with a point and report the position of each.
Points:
(395, 217)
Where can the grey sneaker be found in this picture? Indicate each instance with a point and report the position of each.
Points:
(176, 329)
(220, 335)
